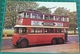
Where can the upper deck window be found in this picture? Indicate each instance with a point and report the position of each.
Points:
(21, 15)
(39, 16)
(57, 18)
(65, 19)
(24, 15)
(51, 17)
(28, 15)
(61, 19)
(47, 17)
(34, 15)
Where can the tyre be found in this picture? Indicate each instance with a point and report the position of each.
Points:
(54, 41)
(23, 44)
(60, 41)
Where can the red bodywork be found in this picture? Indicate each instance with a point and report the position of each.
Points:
(37, 38)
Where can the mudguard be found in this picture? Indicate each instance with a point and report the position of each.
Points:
(21, 40)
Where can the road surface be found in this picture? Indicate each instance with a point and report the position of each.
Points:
(70, 46)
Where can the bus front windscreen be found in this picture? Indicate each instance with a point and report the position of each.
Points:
(20, 30)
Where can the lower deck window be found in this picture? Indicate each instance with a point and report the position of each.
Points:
(37, 30)
(20, 30)
(58, 30)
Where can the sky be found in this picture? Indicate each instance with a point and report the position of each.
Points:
(67, 5)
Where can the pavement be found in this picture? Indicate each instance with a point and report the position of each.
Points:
(73, 35)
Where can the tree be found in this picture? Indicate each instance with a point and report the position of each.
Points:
(12, 10)
(61, 11)
(73, 21)
(45, 10)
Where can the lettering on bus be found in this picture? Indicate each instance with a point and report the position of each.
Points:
(36, 23)
(41, 23)
(58, 24)
(48, 23)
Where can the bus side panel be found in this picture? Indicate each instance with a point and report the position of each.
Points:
(26, 21)
(32, 39)
(43, 38)
(40, 39)
(48, 37)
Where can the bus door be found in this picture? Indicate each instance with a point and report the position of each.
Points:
(66, 35)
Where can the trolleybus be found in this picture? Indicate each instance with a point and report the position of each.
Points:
(33, 28)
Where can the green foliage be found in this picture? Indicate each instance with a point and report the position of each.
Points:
(73, 20)
(12, 10)
(61, 11)
(43, 9)
(14, 7)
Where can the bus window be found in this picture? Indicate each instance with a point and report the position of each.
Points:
(24, 30)
(39, 30)
(65, 19)
(51, 17)
(39, 16)
(58, 18)
(16, 30)
(60, 30)
(20, 30)
(61, 19)
(34, 15)
(56, 30)
(51, 30)
(28, 15)
(46, 30)
(46, 17)
(21, 15)
(25, 15)
(34, 30)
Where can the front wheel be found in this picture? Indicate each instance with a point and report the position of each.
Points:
(23, 44)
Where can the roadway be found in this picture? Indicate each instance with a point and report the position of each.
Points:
(70, 46)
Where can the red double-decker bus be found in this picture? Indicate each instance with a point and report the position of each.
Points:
(33, 28)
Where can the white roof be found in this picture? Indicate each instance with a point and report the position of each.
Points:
(39, 26)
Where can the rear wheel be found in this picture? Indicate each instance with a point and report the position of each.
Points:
(54, 41)
(60, 41)
(23, 44)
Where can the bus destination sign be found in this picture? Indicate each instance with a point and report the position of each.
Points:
(41, 23)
